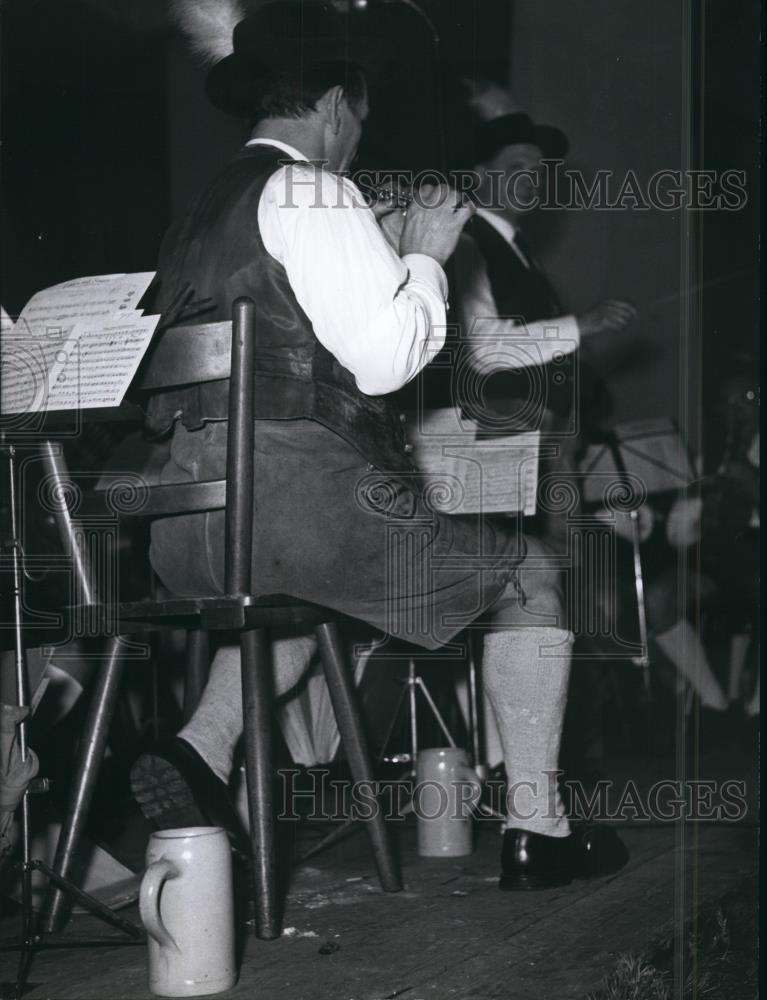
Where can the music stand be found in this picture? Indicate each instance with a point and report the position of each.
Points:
(33, 371)
(652, 452)
(32, 935)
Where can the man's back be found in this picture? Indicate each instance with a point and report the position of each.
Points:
(218, 253)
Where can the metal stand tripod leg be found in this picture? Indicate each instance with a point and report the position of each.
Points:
(413, 685)
(479, 765)
(89, 756)
(475, 725)
(409, 694)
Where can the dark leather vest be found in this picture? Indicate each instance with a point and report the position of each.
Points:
(517, 290)
(523, 396)
(536, 398)
(219, 253)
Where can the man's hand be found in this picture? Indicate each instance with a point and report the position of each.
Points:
(611, 316)
(434, 222)
(388, 206)
(392, 225)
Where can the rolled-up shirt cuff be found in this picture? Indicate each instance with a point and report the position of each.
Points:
(567, 331)
(425, 268)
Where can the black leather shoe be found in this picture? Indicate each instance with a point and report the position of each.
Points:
(174, 788)
(533, 861)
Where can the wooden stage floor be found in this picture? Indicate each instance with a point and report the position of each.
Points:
(450, 934)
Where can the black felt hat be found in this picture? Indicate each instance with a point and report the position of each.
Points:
(288, 36)
(514, 129)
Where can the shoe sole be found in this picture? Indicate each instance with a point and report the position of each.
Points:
(524, 882)
(163, 794)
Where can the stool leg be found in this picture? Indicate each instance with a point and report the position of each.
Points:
(344, 701)
(89, 756)
(197, 669)
(257, 719)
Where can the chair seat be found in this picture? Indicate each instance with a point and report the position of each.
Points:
(156, 500)
(224, 613)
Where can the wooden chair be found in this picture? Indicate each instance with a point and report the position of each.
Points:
(196, 354)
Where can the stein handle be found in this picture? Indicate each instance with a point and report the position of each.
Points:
(155, 877)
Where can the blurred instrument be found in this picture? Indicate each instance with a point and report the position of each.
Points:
(391, 195)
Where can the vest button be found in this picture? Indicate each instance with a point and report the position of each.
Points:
(402, 418)
(408, 448)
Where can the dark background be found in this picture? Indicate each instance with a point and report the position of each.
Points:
(106, 135)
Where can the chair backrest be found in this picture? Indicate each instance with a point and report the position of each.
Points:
(204, 353)
(181, 356)
(184, 355)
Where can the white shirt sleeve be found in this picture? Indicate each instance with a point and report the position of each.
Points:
(496, 343)
(381, 316)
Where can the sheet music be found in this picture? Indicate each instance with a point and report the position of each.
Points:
(467, 476)
(103, 362)
(76, 345)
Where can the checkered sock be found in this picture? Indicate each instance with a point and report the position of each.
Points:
(216, 726)
(525, 673)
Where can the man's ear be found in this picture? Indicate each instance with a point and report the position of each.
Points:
(485, 188)
(331, 103)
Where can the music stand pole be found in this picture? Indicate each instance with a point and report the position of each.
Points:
(643, 661)
(22, 699)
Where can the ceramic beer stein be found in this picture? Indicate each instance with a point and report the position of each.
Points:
(187, 908)
(446, 791)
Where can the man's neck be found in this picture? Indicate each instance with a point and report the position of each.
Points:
(293, 132)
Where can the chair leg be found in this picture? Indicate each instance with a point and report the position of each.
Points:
(344, 701)
(197, 669)
(89, 756)
(257, 701)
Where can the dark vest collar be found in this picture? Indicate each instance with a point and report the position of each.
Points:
(519, 291)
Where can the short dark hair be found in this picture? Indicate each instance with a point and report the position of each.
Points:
(291, 94)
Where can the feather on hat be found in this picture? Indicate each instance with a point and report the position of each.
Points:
(208, 25)
(243, 46)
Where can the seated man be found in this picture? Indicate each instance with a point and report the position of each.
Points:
(344, 319)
